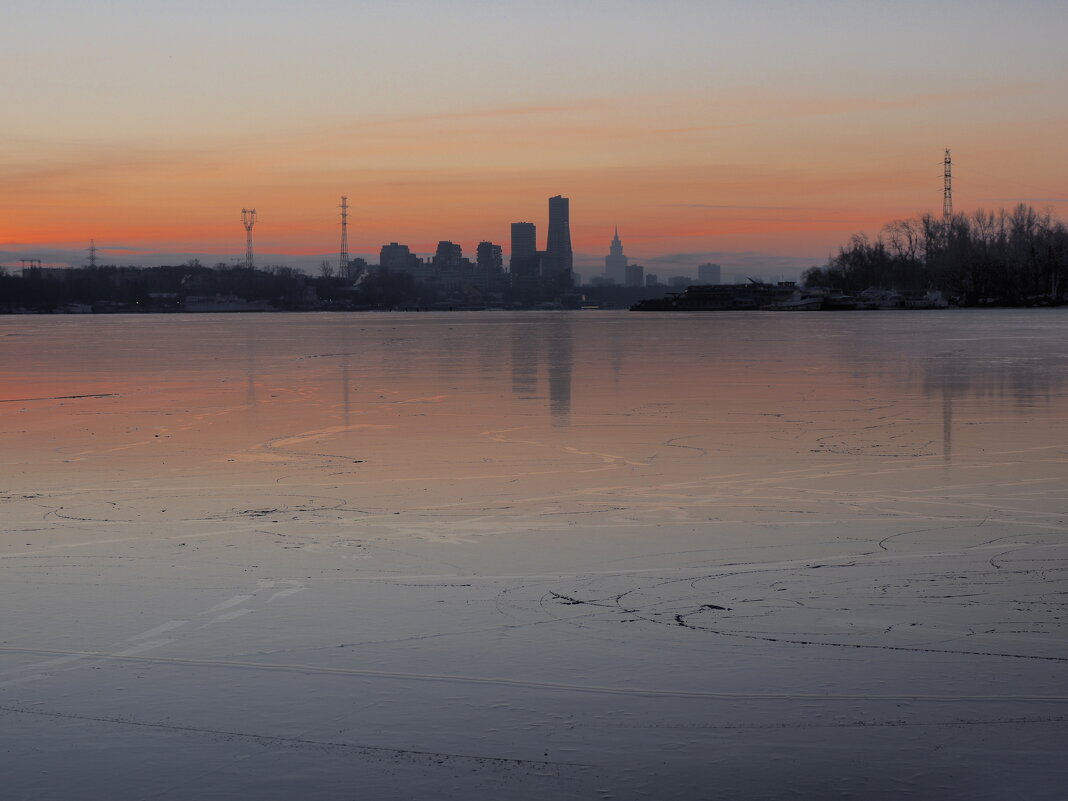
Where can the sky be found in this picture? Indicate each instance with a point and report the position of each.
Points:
(759, 135)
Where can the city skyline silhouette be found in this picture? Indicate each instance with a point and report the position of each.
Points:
(708, 132)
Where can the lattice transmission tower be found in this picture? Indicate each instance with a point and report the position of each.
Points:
(343, 266)
(92, 253)
(947, 191)
(248, 219)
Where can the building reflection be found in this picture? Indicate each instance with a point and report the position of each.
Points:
(524, 359)
(560, 357)
(537, 344)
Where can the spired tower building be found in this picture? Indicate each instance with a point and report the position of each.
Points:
(559, 259)
(615, 263)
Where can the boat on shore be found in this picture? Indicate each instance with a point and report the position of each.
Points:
(722, 297)
(797, 302)
(787, 296)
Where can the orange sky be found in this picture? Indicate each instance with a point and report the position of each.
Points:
(692, 154)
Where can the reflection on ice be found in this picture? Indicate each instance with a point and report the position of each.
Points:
(542, 344)
(534, 555)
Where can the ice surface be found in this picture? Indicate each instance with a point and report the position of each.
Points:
(560, 555)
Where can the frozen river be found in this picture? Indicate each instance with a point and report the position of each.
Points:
(534, 556)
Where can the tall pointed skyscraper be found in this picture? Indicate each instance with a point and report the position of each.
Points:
(615, 263)
(558, 246)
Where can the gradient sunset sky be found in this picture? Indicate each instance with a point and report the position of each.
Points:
(747, 133)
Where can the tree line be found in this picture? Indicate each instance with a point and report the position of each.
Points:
(163, 288)
(1004, 258)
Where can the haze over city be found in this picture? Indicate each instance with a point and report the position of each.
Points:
(759, 138)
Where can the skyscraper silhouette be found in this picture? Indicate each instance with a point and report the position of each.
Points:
(489, 258)
(558, 246)
(524, 261)
(524, 240)
(615, 263)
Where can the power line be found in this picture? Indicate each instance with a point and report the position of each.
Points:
(343, 267)
(248, 219)
(947, 191)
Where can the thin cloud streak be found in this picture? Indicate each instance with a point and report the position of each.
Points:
(1027, 199)
(419, 178)
(731, 206)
